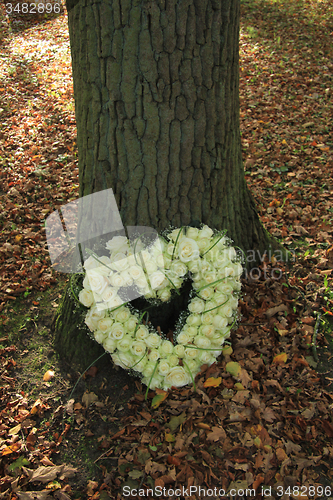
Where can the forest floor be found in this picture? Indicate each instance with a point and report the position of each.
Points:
(60, 439)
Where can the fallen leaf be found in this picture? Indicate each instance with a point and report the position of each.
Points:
(216, 434)
(213, 382)
(88, 398)
(158, 399)
(233, 368)
(48, 375)
(280, 359)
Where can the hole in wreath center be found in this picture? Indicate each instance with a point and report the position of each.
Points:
(166, 314)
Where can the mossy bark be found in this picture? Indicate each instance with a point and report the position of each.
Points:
(156, 87)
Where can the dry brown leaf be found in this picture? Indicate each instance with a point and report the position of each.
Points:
(48, 375)
(88, 398)
(216, 434)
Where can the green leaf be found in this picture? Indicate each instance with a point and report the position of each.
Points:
(19, 463)
(153, 448)
(157, 400)
(233, 368)
(176, 421)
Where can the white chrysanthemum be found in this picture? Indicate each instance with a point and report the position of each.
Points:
(196, 306)
(123, 359)
(121, 315)
(138, 348)
(154, 355)
(125, 343)
(109, 344)
(153, 340)
(86, 297)
(105, 324)
(142, 332)
(193, 320)
(220, 321)
(177, 377)
(165, 348)
(188, 250)
(117, 331)
(163, 367)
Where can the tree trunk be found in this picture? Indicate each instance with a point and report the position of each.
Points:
(156, 85)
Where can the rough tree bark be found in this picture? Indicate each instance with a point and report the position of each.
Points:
(156, 85)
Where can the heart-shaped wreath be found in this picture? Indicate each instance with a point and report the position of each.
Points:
(158, 272)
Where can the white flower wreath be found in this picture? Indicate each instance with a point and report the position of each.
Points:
(157, 272)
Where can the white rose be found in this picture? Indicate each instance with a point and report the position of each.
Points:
(193, 366)
(206, 232)
(220, 322)
(226, 311)
(235, 284)
(123, 359)
(105, 324)
(122, 314)
(163, 367)
(206, 293)
(174, 279)
(130, 324)
(114, 302)
(151, 267)
(170, 249)
(183, 338)
(109, 344)
(174, 234)
(117, 280)
(191, 331)
(142, 284)
(106, 268)
(86, 298)
(206, 358)
(92, 318)
(86, 283)
(164, 295)
(209, 276)
(207, 330)
(142, 332)
(99, 336)
(193, 320)
(154, 355)
(173, 359)
(160, 261)
(135, 272)
(207, 318)
(138, 348)
(179, 350)
(194, 266)
(97, 281)
(153, 340)
(125, 343)
(204, 244)
(192, 232)
(202, 341)
(128, 280)
(177, 377)
(191, 353)
(188, 250)
(117, 331)
(119, 261)
(116, 243)
(140, 363)
(165, 348)
(224, 288)
(196, 306)
(145, 255)
(109, 293)
(155, 382)
(179, 268)
(233, 302)
(149, 369)
(151, 294)
(90, 263)
(158, 280)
